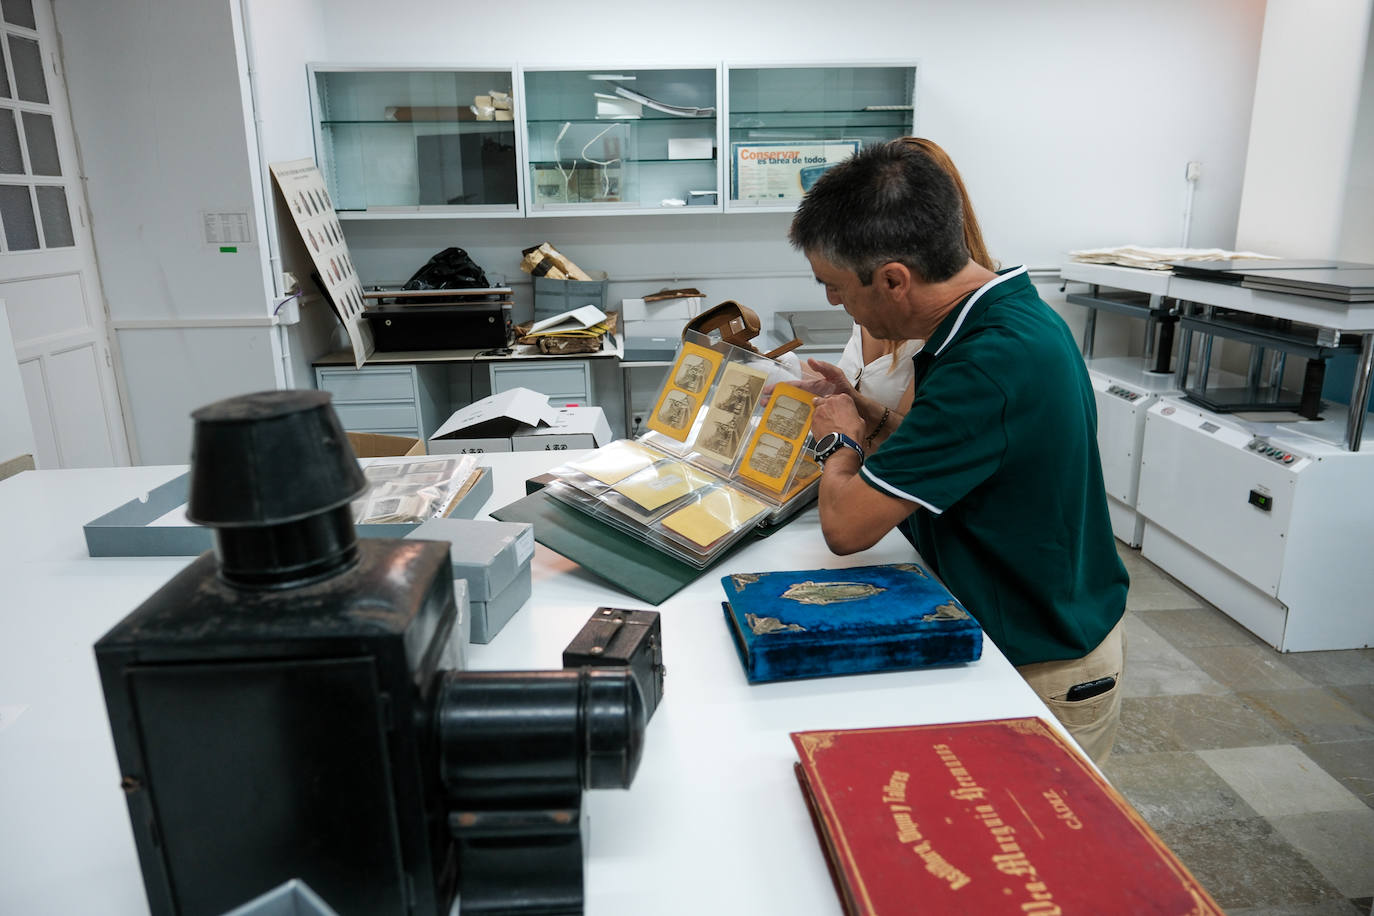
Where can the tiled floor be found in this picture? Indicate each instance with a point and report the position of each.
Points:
(1256, 767)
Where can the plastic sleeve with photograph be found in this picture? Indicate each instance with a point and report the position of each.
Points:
(646, 494)
(776, 446)
(725, 422)
(717, 514)
(684, 391)
(607, 466)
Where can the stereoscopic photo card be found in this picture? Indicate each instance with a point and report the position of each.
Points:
(776, 446)
(684, 391)
(726, 424)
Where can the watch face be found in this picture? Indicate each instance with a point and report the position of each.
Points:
(826, 447)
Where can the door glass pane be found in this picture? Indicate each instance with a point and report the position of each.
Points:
(20, 13)
(38, 131)
(57, 220)
(28, 70)
(11, 159)
(16, 212)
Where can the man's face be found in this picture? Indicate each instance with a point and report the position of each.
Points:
(863, 303)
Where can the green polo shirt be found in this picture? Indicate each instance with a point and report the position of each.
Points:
(999, 451)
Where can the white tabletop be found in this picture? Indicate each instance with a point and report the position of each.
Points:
(714, 822)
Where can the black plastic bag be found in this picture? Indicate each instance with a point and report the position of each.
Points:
(449, 269)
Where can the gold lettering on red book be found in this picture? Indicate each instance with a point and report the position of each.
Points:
(909, 833)
(895, 790)
(1062, 810)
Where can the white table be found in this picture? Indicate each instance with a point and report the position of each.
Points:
(714, 822)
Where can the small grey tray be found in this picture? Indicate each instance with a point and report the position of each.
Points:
(128, 531)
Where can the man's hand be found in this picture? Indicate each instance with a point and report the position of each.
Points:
(837, 413)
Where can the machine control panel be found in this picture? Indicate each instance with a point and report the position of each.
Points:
(1124, 393)
(1264, 449)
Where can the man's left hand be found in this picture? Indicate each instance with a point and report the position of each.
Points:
(836, 413)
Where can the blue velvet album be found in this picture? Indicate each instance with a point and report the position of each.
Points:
(825, 622)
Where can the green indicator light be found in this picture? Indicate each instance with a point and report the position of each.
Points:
(228, 249)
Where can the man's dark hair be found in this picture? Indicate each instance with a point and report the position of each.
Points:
(886, 203)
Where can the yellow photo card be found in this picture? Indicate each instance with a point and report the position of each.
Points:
(612, 463)
(659, 485)
(680, 400)
(776, 445)
(721, 511)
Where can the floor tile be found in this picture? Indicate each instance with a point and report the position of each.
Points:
(1192, 627)
(1339, 843)
(1310, 715)
(1190, 722)
(1152, 590)
(1351, 763)
(1280, 779)
(1247, 863)
(1247, 667)
(1347, 666)
(1175, 787)
(1325, 908)
(1155, 668)
(1360, 696)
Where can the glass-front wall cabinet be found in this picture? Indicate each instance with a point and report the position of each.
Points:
(417, 141)
(788, 124)
(621, 140)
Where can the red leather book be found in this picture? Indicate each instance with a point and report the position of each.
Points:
(982, 817)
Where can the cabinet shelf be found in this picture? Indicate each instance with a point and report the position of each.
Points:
(478, 126)
(440, 164)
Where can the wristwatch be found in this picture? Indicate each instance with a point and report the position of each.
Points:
(831, 443)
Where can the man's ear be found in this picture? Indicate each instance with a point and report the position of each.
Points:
(894, 278)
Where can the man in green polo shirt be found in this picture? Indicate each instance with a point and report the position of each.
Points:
(993, 473)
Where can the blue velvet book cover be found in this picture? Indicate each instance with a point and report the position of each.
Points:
(824, 622)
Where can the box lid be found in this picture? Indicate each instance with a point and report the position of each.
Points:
(489, 555)
(571, 421)
(497, 416)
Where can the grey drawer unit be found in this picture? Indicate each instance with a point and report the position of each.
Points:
(563, 382)
(410, 400)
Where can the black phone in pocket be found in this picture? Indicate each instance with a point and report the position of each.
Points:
(1090, 689)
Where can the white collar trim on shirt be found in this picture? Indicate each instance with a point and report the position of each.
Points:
(963, 313)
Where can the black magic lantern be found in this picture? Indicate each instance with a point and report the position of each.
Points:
(288, 706)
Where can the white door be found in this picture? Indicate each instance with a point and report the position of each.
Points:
(48, 275)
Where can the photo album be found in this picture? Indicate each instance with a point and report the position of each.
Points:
(726, 452)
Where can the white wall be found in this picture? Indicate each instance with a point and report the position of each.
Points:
(1071, 120)
(160, 119)
(1303, 130)
(1357, 223)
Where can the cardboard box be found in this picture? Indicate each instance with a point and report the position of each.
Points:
(487, 425)
(572, 427)
(376, 445)
(493, 560)
(691, 148)
(149, 527)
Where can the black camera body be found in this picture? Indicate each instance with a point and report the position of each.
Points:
(624, 638)
(290, 705)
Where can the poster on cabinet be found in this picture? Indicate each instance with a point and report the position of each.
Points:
(782, 169)
(304, 195)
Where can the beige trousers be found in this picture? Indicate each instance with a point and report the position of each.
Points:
(1092, 722)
